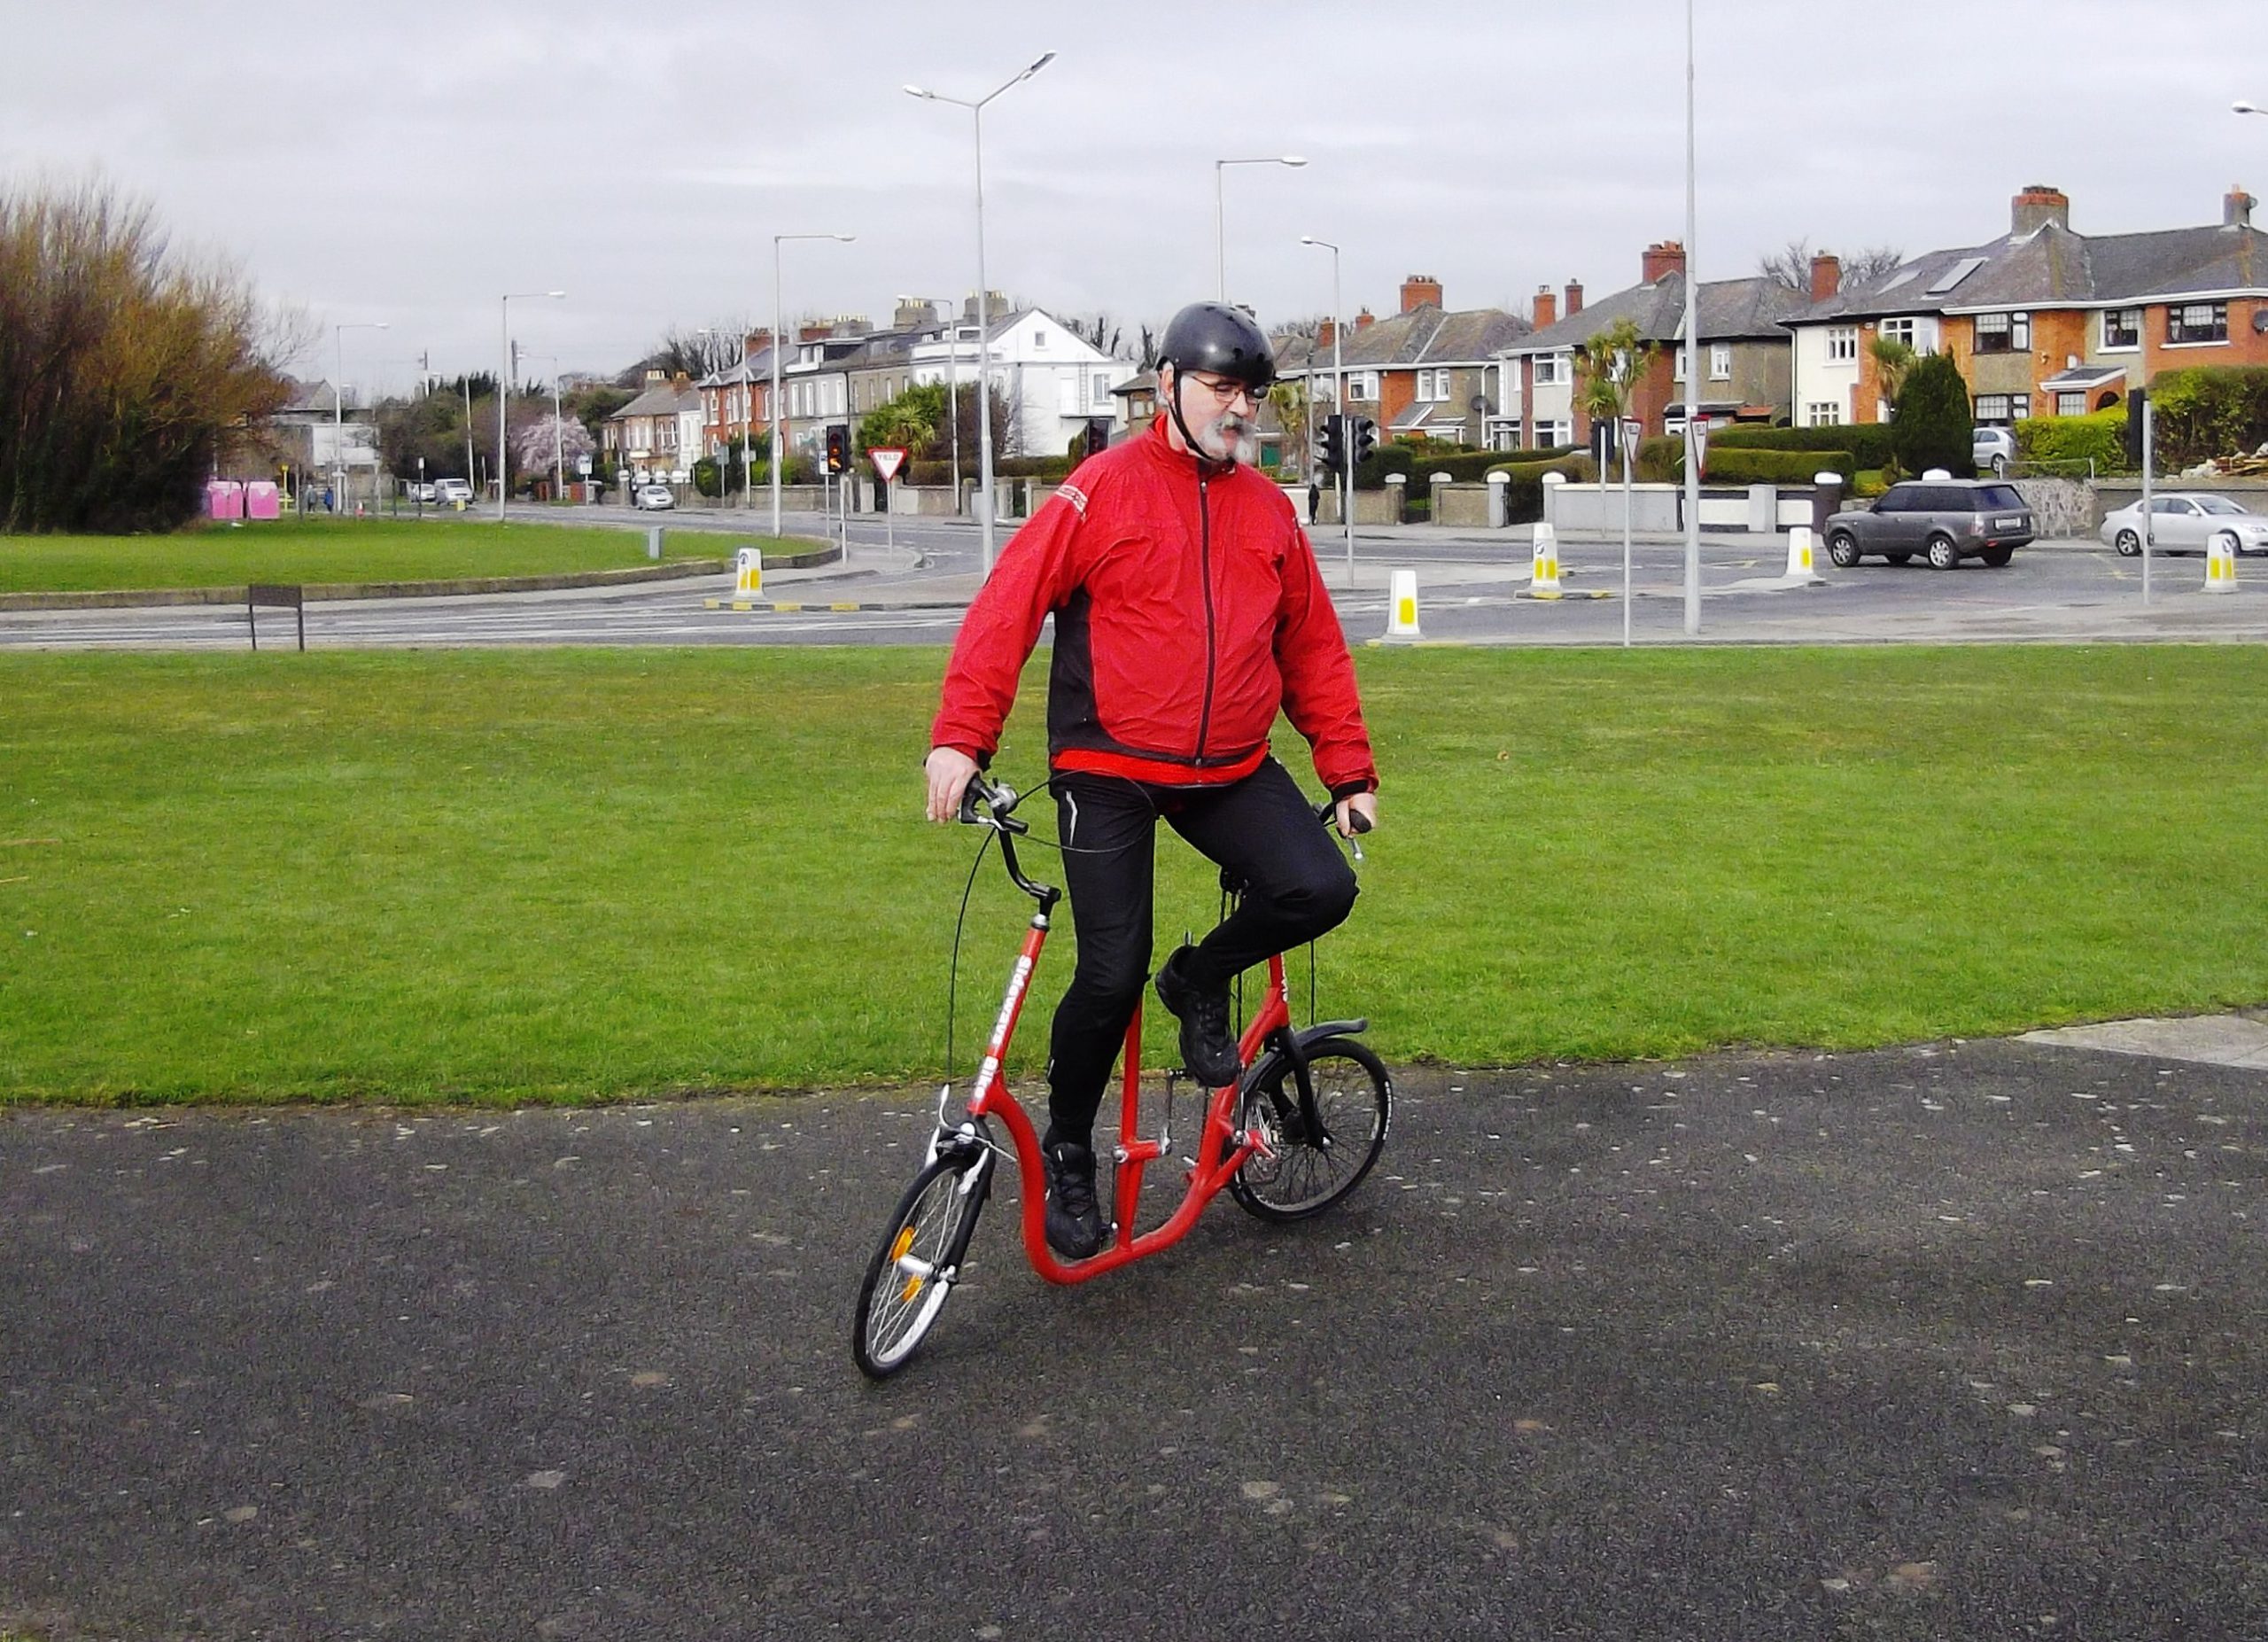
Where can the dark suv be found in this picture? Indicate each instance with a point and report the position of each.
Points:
(1947, 519)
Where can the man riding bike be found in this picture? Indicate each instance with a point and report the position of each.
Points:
(1188, 610)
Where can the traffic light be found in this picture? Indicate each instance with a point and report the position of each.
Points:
(2135, 400)
(1333, 450)
(838, 449)
(1365, 440)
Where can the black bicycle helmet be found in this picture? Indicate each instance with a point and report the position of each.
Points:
(1224, 340)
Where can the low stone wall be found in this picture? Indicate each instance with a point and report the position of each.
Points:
(1371, 507)
(2064, 507)
(1463, 506)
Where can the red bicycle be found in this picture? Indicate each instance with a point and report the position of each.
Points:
(1295, 1135)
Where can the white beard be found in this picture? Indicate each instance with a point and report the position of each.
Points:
(1229, 438)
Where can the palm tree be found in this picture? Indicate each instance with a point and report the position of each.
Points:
(1892, 360)
(1607, 369)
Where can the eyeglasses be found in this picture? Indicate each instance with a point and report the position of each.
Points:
(1229, 392)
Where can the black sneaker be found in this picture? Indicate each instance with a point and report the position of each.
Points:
(1074, 1220)
(1208, 1049)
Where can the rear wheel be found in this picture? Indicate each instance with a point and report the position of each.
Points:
(2129, 545)
(1843, 549)
(913, 1271)
(1945, 553)
(1324, 1135)
(1999, 556)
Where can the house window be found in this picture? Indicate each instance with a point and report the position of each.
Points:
(1363, 385)
(2122, 327)
(2197, 322)
(1901, 330)
(1677, 366)
(1552, 370)
(1721, 361)
(1039, 338)
(1820, 414)
(2071, 404)
(1433, 385)
(1101, 391)
(1999, 410)
(1841, 344)
(2004, 333)
(1549, 433)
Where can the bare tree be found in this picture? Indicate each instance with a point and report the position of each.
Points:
(1098, 331)
(1791, 265)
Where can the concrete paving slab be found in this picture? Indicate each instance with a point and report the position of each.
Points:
(2239, 1040)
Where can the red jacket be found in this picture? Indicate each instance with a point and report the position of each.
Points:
(1187, 608)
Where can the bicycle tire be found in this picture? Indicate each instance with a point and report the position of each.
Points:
(1354, 1098)
(919, 1256)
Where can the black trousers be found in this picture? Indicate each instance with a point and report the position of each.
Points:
(1260, 827)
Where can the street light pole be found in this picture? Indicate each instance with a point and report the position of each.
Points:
(503, 381)
(1346, 478)
(558, 434)
(339, 400)
(778, 456)
(1219, 236)
(984, 299)
(1692, 362)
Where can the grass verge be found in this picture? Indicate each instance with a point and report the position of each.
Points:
(573, 876)
(337, 549)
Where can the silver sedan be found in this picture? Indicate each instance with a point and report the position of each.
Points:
(2186, 521)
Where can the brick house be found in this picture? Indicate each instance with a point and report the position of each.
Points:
(1743, 348)
(1427, 372)
(737, 398)
(659, 433)
(2043, 321)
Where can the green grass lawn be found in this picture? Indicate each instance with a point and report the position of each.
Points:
(337, 550)
(573, 875)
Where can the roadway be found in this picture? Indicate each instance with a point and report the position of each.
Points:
(913, 590)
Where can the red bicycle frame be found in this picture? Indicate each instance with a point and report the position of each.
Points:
(1218, 1139)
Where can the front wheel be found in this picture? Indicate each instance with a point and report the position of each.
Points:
(1323, 1130)
(1843, 548)
(913, 1271)
(1944, 553)
(2129, 545)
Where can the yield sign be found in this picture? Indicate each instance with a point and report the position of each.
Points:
(887, 460)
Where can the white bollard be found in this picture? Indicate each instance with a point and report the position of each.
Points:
(747, 573)
(1543, 570)
(2220, 566)
(1402, 607)
(1800, 566)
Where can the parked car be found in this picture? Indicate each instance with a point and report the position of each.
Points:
(655, 497)
(453, 492)
(1945, 519)
(2186, 521)
(1993, 449)
(420, 491)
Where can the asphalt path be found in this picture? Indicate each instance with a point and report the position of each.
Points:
(1957, 1340)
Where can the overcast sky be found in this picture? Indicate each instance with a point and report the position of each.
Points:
(411, 162)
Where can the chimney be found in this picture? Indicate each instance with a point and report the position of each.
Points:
(1662, 259)
(913, 315)
(994, 304)
(2036, 207)
(756, 342)
(1547, 307)
(655, 375)
(1826, 276)
(1364, 319)
(2236, 207)
(1574, 297)
(1418, 289)
(818, 330)
(1325, 334)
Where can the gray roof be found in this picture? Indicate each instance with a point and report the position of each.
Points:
(2054, 267)
(1725, 310)
(1428, 336)
(663, 399)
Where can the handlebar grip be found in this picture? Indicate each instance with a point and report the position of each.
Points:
(1359, 821)
(969, 795)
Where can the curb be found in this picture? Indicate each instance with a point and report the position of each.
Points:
(792, 607)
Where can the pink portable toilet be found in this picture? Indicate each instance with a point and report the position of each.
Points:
(262, 500)
(224, 499)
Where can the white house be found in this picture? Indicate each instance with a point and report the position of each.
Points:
(1052, 381)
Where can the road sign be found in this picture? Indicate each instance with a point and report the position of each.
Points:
(582, 465)
(1701, 448)
(887, 460)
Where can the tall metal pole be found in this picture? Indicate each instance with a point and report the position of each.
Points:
(1692, 362)
(983, 297)
(2150, 527)
(503, 391)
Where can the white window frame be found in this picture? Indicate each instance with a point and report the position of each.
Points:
(1906, 329)
(1821, 413)
(1554, 370)
(1677, 365)
(1721, 361)
(2136, 316)
(1098, 396)
(2174, 309)
(1841, 344)
(2070, 401)
(1553, 431)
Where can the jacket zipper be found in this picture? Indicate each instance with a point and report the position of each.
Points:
(1205, 568)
